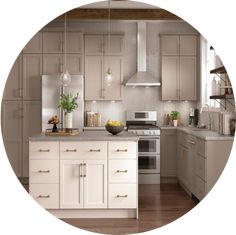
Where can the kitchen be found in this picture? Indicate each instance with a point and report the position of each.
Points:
(114, 108)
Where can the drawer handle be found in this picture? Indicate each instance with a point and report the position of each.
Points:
(191, 142)
(121, 171)
(122, 150)
(44, 150)
(41, 171)
(44, 196)
(84, 170)
(118, 196)
(80, 169)
(95, 150)
(71, 150)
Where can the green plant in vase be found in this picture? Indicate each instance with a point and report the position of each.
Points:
(68, 102)
(174, 117)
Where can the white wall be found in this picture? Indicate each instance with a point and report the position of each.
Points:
(137, 98)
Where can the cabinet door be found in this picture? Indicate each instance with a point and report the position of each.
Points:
(170, 44)
(34, 45)
(75, 64)
(52, 42)
(95, 184)
(116, 44)
(32, 71)
(12, 120)
(188, 45)
(168, 153)
(74, 42)
(93, 44)
(93, 77)
(114, 91)
(13, 87)
(52, 64)
(170, 77)
(187, 78)
(71, 184)
(31, 126)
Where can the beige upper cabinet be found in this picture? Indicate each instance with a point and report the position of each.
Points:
(95, 88)
(100, 44)
(34, 45)
(75, 64)
(32, 72)
(13, 87)
(52, 42)
(179, 67)
(52, 64)
(74, 42)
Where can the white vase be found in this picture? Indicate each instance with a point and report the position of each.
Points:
(175, 122)
(68, 121)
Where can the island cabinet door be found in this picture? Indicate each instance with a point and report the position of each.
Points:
(95, 183)
(71, 184)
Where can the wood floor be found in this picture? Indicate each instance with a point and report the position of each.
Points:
(158, 206)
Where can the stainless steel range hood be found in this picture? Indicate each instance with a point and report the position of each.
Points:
(142, 77)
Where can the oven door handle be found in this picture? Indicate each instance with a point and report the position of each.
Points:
(149, 138)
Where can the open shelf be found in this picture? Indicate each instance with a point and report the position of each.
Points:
(220, 97)
(220, 70)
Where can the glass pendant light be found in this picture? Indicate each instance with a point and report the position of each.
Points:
(65, 76)
(108, 75)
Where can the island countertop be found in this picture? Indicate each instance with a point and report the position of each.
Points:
(87, 136)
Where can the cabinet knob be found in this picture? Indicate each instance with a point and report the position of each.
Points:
(122, 150)
(118, 196)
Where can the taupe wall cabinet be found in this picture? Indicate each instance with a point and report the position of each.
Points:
(179, 67)
(97, 61)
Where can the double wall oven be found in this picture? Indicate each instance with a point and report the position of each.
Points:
(143, 124)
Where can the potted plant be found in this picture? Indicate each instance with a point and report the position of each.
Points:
(174, 117)
(68, 102)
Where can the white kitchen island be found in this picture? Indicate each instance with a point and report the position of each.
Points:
(91, 175)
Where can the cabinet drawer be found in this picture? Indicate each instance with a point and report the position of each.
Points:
(122, 149)
(200, 147)
(47, 195)
(122, 171)
(82, 150)
(200, 167)
(44, 150)
(122, 196)
(44, 171)
(200, 188)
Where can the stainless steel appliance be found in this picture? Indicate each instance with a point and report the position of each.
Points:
(144, 125)
(51, 90)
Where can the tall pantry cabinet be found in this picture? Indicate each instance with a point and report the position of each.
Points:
(179, 55)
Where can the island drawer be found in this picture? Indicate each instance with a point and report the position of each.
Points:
(44, 171)
(43, 150)
(122, 196)
(123, 171)
(83, 149)
(122, 149)
(47, 195)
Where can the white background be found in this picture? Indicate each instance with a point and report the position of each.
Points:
(20, 20)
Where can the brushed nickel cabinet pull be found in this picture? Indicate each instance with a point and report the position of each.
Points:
(42, 171)
(94, 150)
(80, 169)
(44, 150)
(71, 150)
(122, 195)
(44, 196)
(122, 150)
(84, 170)
(191, 142)
(121, 171)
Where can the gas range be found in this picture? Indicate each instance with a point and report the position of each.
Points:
(144, 130)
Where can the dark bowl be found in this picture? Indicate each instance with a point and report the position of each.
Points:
(114, 130)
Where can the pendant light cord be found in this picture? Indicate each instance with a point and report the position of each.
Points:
(109, 32)
(65, 45)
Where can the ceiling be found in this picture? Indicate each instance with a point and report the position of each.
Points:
(119, 4)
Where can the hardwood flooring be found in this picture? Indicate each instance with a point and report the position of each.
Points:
(158, 206)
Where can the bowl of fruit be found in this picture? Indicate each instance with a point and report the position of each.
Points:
(114, 127)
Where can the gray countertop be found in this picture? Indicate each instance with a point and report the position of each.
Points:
(204, 134)
(87, 136)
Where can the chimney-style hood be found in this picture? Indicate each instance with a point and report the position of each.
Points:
(142, 77)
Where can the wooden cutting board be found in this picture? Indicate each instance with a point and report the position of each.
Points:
(62, 133)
